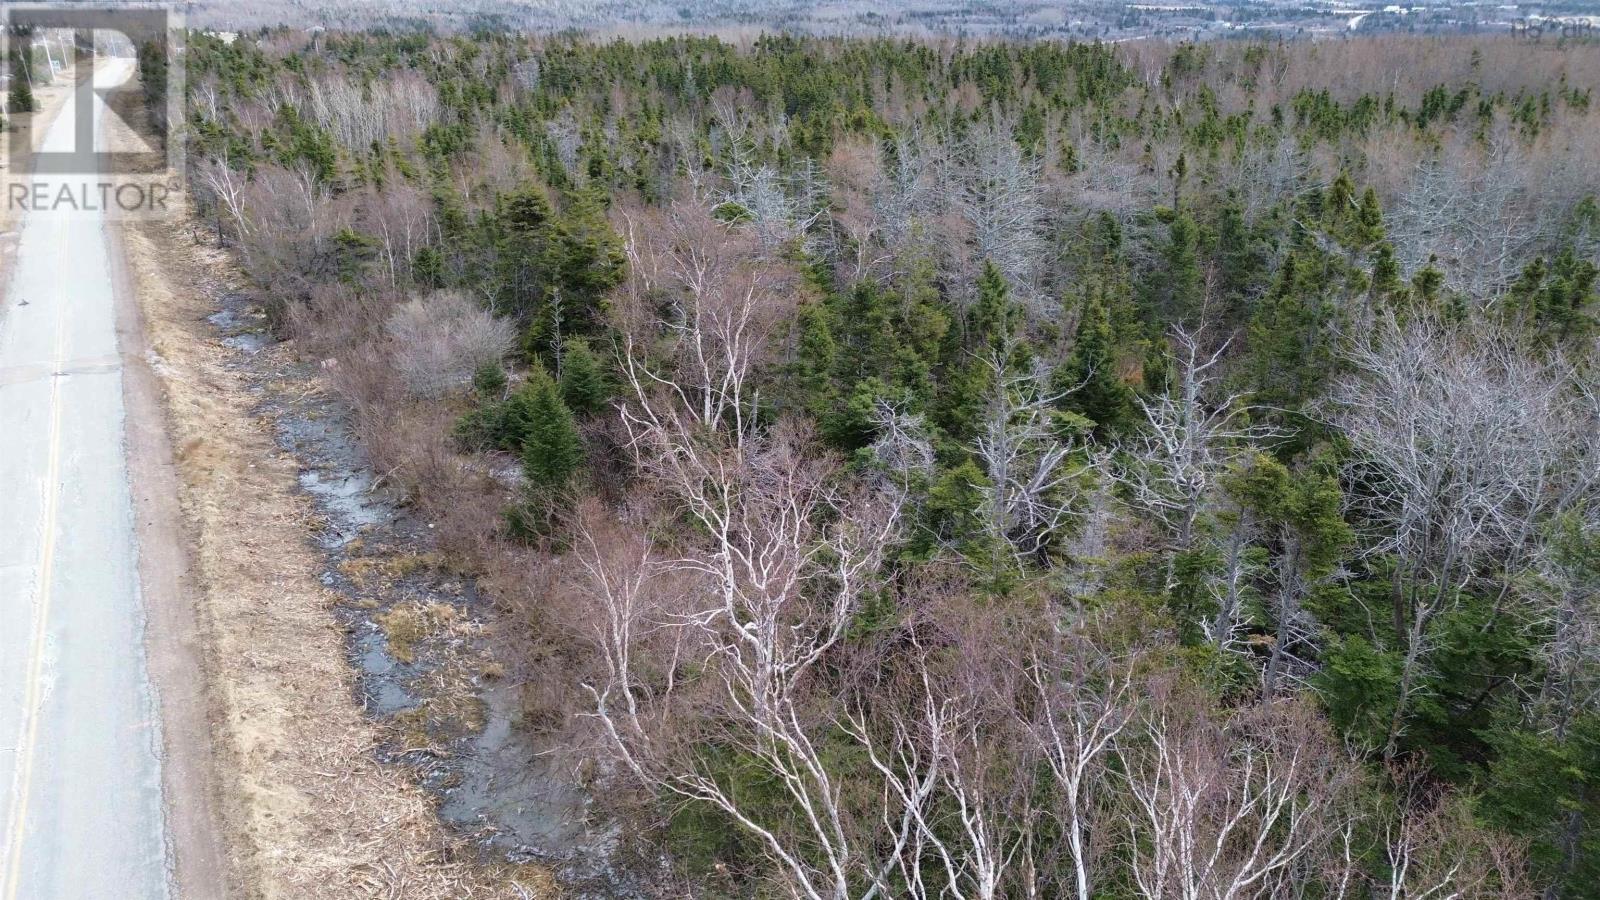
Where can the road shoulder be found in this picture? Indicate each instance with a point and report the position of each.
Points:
(175, 633)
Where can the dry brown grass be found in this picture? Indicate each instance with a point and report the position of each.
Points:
(310, 811)
(408, 624)
(365, 570)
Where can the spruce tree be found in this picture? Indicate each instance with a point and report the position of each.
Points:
(584, 386)
(524, 222)
(1239, 261)
(1427, 283)
(994, 317)
(1368, 226)
(588, 254)
(1175, 288)
(21, 99)
(969, 375)
(816, 358)
(1090, 373)
(1385, 272)
(1566, 303)
(543, 426)
(1290, 353)
(1337, 204)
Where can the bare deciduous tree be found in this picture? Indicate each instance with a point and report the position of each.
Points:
(1001, 200)
(724, 304)
(756, 595)
(1228, 805)
(1434, 849)
(401, 216)
(224, 188)
(1083, 699)
(397, 108)
(1466, 443)
(1031, 490)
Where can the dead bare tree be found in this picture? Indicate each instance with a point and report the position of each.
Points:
(759, 603)
(908, 199)
(1190, 440)
(567, 138)
(903, 448)
(1001, 201)
(780, 208)
(1228, 805)
(955, 740)
(1477, 210)
(724, 304)
(1466, 443)
(289, 219)
(1031, 489)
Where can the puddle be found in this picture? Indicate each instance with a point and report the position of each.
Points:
(506, 780)
(348, 502)
(248, 341)
(241, 326)
(381, 677)
(529, 796)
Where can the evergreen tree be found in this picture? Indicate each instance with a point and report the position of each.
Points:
(1385, 282)
(588, 255)
(21, 99)
(1567, 301)
(525, 235)
(545, 431)
(1174, 291)
(1300, 516)
(1288, 349)
(969, 372)
(489, 380)
(1522, 298)
(951, 512)
(994, 318)
(1427, 283)
(1339, 203)
(584, 386)
(1239, 263)
(817, 354)
(1367, 229)
(1542, 786)
(1090, 373)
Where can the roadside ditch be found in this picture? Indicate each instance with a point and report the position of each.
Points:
(420, 636)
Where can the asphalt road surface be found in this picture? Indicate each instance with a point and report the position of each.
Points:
(80, 773)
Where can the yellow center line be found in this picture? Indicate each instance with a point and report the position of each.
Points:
(47, 553)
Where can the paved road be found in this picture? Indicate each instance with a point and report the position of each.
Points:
(80, 776)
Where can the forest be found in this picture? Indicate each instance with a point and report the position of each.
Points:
(983, 469)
